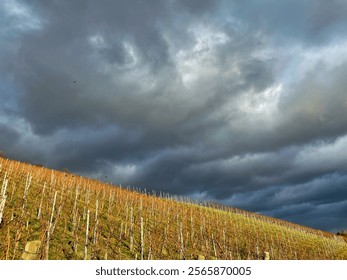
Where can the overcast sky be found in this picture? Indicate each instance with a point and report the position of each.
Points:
(240, 102)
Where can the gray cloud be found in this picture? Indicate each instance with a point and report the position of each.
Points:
(8, 137)
(212, 99)
(311, 22)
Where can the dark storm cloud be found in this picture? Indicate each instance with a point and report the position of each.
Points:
(8, 138)
(318, 105)
(319, 203)
(212, 99)
(49, 60)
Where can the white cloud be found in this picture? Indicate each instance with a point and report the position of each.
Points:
(198, 60)
(298, 60)
(97, 42)
(260, 105)
(324, 156)
(23, 18)
(124, 172)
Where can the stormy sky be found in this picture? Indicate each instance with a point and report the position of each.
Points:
(240, 102)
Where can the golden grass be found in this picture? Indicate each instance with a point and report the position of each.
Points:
(170, 229)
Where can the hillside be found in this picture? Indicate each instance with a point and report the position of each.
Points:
(80, 218)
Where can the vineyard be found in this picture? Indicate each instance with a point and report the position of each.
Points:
(71, 217)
